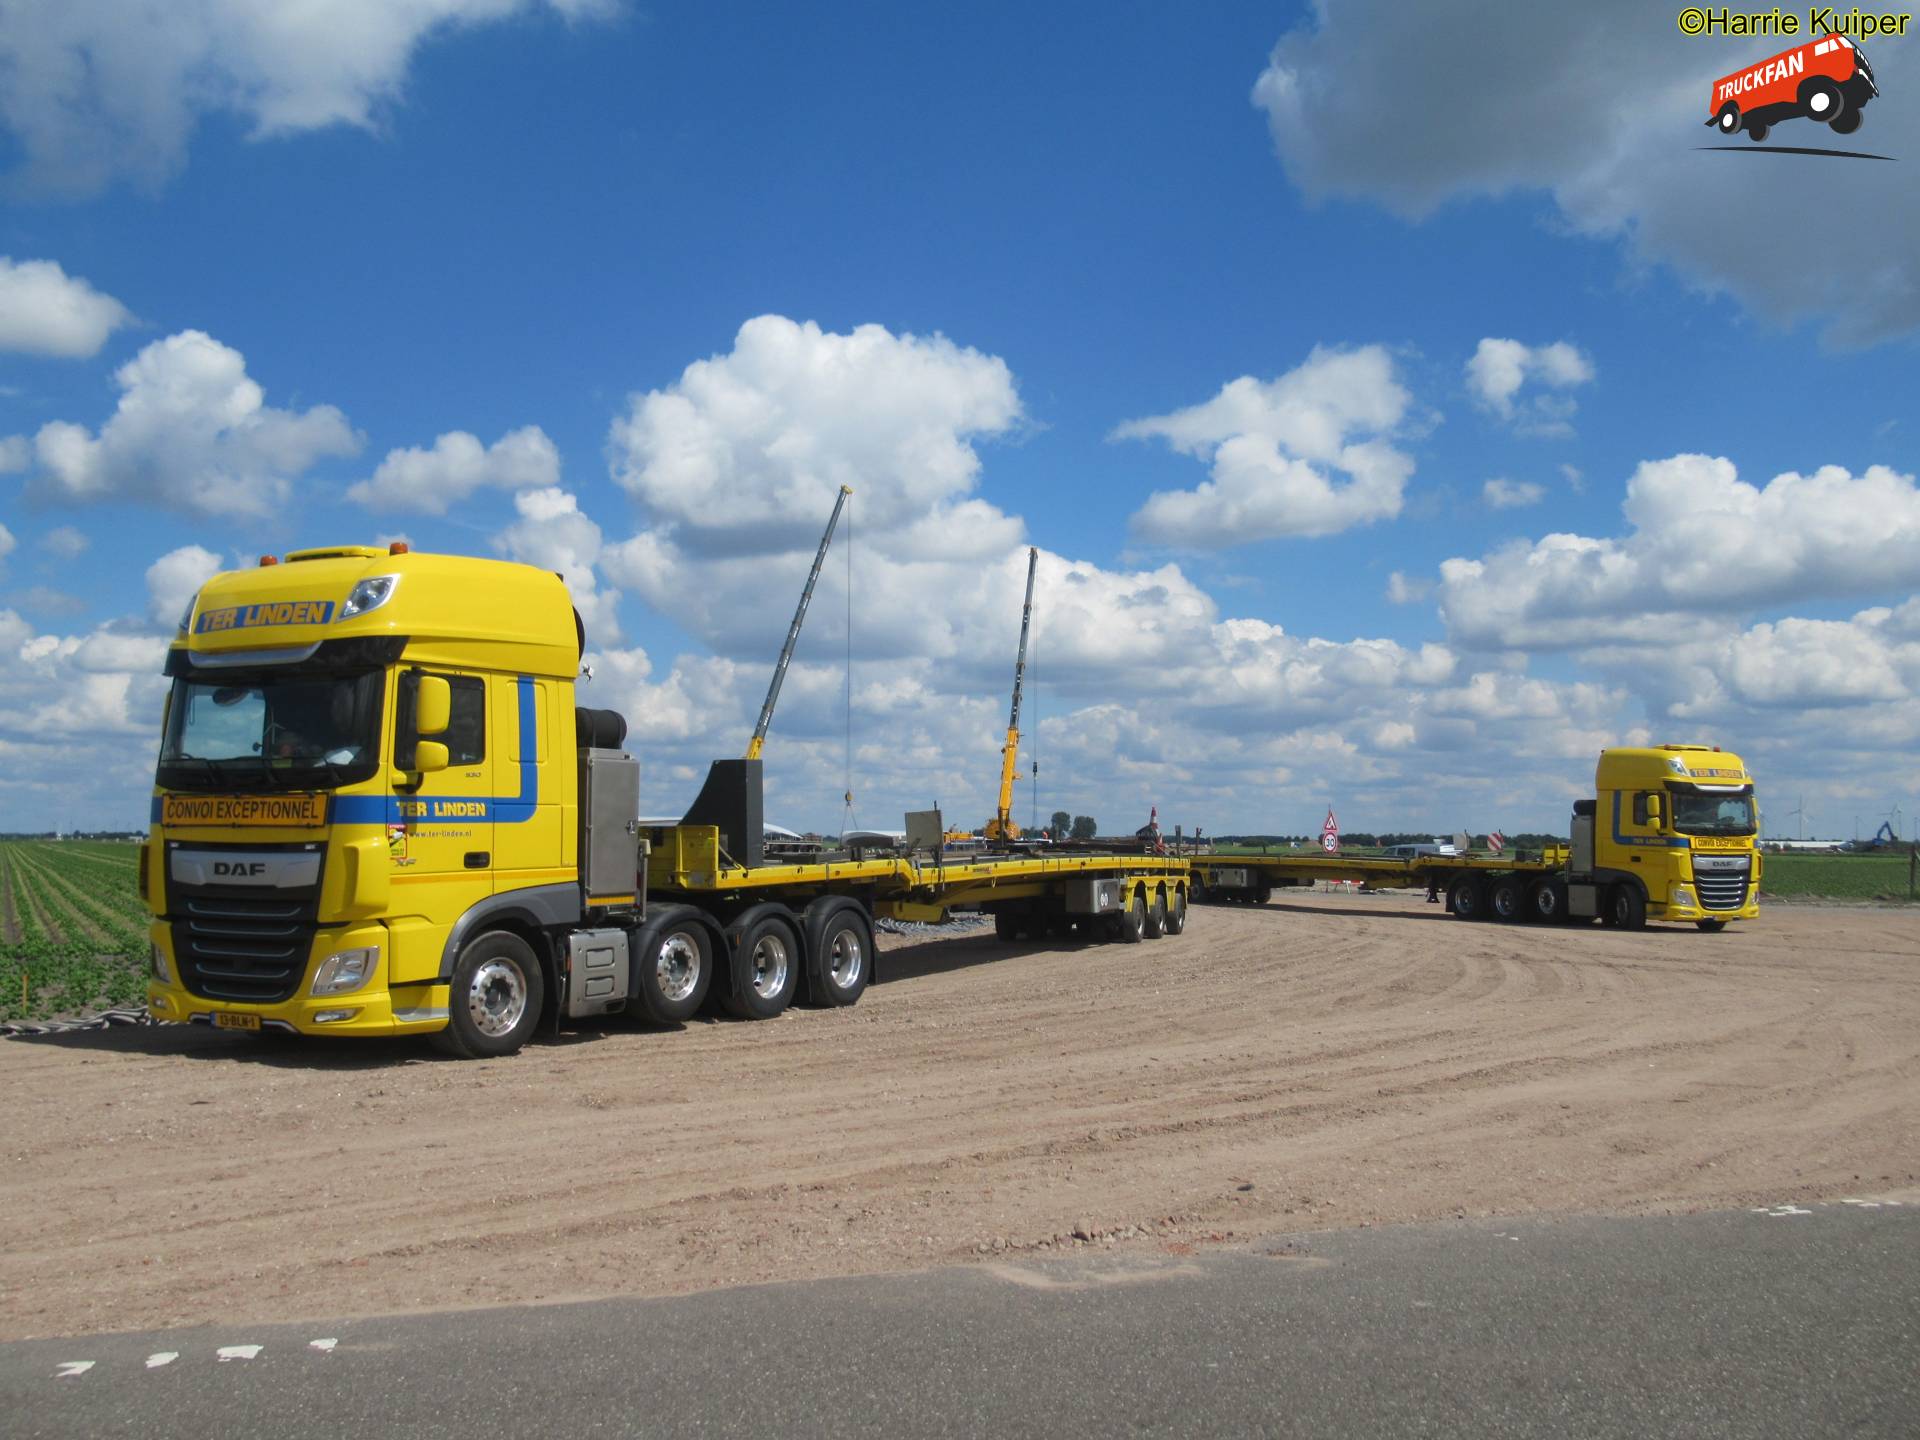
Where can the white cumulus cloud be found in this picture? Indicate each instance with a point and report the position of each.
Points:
(192, 432)
(1701, 541)
(1500, 369)
(553, 533)
(45, 311)
(430, 482)
(1305, 454)
(97, 90)
(175, 578)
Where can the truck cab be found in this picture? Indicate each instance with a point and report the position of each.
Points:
(1670, 835)
(368, 759)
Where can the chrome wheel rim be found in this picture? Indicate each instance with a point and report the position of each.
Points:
(497, 997)
(676, 966)
(845, 958)
(769, 966)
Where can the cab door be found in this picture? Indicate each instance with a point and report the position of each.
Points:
(441, 842)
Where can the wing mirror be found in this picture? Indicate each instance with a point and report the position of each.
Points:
(433, 710)
(429, 755)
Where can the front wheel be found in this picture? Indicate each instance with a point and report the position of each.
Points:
(1712, 927)
(1627, 908)
(1728, 119)
(497, 993)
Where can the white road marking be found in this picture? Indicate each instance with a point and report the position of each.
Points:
(238, 1352)
(323, 1346)
(1781, 1211)
(72, 1369)
(162, 1357)
(1863, 1204)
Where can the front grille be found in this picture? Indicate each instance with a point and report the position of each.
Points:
(1722, 890)
(249, 949)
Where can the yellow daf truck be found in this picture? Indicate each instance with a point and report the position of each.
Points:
(1671, 834)
(378, 811)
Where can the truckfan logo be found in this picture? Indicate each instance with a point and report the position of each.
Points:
(1826, 78)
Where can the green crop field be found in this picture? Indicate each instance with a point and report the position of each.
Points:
(1837, 877)
(73, 933)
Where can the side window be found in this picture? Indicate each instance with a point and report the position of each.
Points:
(466, 737)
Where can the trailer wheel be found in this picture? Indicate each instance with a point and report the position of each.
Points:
(1157, 915)
(497, 994)
(1466, 899)
(1262, 893)
(841, 960)
(1728, 119)
(1130, 925)
(1845, 123)
(1547, 902)
(770, 971)
(1626, 908)
(1006, 926)
(1822, 100)
(1712, 927)
(673, 966)
(1507, 899)
(1177, 912)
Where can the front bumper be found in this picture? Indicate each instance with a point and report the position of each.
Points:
(370, 1010)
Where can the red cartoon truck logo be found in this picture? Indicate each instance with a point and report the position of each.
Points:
(1826, 80)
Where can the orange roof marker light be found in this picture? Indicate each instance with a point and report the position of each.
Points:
(398, 547)
(266, 560)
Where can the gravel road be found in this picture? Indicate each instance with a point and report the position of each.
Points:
(1327, 1062)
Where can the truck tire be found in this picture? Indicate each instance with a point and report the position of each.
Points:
(1262, 893)
(1547, 902)
(1507, 899)
(1130, 925)
(839, 953)
(1177, 912)
(766, 969)
(1712, 927)
(1157, 915)
(1846, 123)
(672, 968)
(1626, 908)
(1466, 899)
(1822, 100)
(498, 990)
(1006, 926)
(1728, 120)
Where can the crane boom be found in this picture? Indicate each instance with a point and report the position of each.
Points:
(1001, 827)
(793, 631)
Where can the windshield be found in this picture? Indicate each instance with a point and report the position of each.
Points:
(262, 731)
(1697, 813)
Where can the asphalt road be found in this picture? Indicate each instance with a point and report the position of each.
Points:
(1792, 1322)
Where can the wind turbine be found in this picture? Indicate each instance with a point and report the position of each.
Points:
(1799, 813)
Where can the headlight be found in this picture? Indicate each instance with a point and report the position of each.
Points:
(370, 594)
(162, 971)
(346, 970)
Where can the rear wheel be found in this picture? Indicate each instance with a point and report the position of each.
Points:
(1845, 123)
(1507, 899)
(497, 992)
(1547, 903)
(765, 982)
(1157, 916)
(1466, 899)
(1822, 100)
(842, 959)
(1757, 133)
(1177, 912)
(674, 967)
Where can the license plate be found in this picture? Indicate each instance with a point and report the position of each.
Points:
(224, 1020)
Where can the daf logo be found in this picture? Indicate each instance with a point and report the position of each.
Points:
(239, 870)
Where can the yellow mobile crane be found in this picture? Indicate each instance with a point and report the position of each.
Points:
(793, 631)
(1001, 827)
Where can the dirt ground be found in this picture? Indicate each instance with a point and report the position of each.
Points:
(1328, 1061)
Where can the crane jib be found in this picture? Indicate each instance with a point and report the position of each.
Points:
(793, 630)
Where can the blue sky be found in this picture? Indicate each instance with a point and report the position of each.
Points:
(530, 220)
